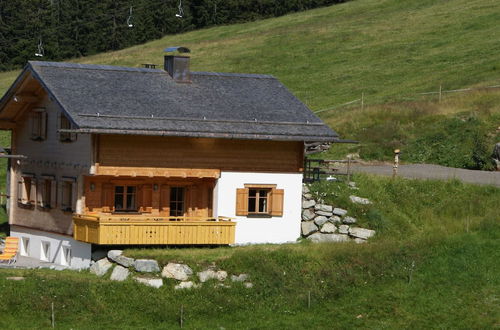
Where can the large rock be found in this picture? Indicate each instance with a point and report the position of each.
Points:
(328, 228)
(323, 207)
(179, 272)
(324, 213)
(335, 219)
(154, 282)
(239, 278)
(323, 238)
(340, 212)
(305, 189)
(119, 273)
(344, 229)
(146, 266)
(349, 220)
(308, 227)
(119, 258)
(359, 200)
(186, 285)
(101, 267)
(308, 203)
(320, 220)
(206, 275)
(221, 275)
(308, 215)
(362, 233)
(307, 196)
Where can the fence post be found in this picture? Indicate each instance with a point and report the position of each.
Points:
(348, 169)
(396, 163)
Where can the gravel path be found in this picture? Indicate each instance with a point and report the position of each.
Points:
(427, 171)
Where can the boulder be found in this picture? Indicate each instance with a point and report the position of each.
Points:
(179, 272)
(239, 278)
(322, 238)
(335, 219)
(119, 273)
(349, 220)
(340, 212)
(308, 215)
(325, 213)
(119, 258)
(308, 227)
(320, 220)
(101, 267)
(362, 233)
(206, 275)
(307, 196)
(344, 229)
(305, 189)
(328, 228)
(154, 282)
(359, 200)
(323, 207)
(186, 285)
(221, 275)
(308, 203)
(146, 266)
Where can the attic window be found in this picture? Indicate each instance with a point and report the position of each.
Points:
(64, 123)
(38, 120)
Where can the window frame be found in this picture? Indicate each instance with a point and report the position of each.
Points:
(47, 192)
(38, 122)
(27, 190)
(68, 194)
(65, 123)
(177, 202)
(274, 201)
(124, 195)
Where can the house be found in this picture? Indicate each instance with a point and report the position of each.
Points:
(109, 155)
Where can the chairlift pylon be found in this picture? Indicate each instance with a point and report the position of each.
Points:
(181, 11)
(39, 52)
(129, 19)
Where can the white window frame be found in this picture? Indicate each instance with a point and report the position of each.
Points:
(45, 250)
(66, 256)
(25, 246)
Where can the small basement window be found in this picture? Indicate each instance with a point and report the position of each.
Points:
(45, 251)
(25, 246)
(64, 123)
(66, 256)
(259, 200)
(38, 119)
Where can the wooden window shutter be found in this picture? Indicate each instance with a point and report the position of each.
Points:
(165, 198)
(108, 198)
(32, 196)
(40, 189)
(60, 194)
(242, 201)
(277, 202)
(146, 198)
(20, 191)
(53, 194)
(43, 125)
(74, 195)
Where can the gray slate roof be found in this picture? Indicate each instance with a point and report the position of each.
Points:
(111, 99)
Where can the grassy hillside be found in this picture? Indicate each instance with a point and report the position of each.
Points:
(433, 264)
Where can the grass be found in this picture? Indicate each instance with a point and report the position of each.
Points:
(433, 264)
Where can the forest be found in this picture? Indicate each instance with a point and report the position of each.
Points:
(62, 29)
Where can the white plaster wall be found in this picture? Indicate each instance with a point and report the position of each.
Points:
(80, 252)
(261, 230)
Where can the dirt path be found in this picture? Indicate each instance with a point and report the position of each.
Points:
(427, 171)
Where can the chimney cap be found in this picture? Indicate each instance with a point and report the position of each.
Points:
(179, 49)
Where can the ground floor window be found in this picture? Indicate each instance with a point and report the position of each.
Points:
(125, 198)
(177, 201)
(259, 200)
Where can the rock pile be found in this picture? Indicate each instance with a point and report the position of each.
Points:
(326, 223)
(180, 272)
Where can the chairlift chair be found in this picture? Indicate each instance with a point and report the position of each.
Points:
(181, 11)
(39, 52)
(129, 19)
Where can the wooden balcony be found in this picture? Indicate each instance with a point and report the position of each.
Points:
(124, 229)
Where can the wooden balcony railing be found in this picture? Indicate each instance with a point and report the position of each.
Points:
(147, 230)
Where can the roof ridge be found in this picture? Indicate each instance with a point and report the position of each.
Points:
(70, 65)
(236, 75)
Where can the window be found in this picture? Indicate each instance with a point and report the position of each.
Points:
(125, 199)
(66, 256)
(38, 118)
(26, 190)
(259, 200)
(25, 246)
(46, 192)
(177, 201)
(45, 251)
(68, 194)
(64, 123)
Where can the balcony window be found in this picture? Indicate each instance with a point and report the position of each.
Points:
(125, 199)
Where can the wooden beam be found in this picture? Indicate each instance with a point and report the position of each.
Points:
(7, 124)
(162, 172)
(25, 98)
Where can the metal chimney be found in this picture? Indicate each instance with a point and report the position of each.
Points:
(177, 66)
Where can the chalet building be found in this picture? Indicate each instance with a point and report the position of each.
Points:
(111, 155)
